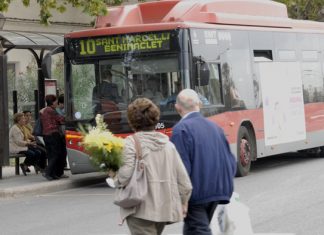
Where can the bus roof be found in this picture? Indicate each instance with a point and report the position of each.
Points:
(171, 14)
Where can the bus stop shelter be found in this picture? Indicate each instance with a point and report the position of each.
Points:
(34, 42)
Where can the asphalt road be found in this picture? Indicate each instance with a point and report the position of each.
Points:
(284, 195)
(87, 210)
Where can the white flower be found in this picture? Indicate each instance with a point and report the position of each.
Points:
(98, 118)
(101, 125)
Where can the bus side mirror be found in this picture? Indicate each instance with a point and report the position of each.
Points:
(47, 62)
(203, 73)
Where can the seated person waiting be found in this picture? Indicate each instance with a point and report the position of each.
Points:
(28, 136)
(18, 144)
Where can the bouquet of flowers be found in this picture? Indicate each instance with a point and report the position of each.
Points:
(104, 148)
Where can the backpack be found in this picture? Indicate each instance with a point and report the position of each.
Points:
(38, 128)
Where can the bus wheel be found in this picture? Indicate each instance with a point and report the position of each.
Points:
(245, 151)
(321, 152)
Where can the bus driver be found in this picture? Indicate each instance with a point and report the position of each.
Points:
(106, 91)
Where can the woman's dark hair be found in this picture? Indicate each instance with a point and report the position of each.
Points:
(17, 117)
(60, 99)
(26, 111)
(143, 115)
(50, 99)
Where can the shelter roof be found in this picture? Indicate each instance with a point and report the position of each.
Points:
(24, 40)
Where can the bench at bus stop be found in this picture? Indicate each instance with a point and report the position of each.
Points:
(16, 156)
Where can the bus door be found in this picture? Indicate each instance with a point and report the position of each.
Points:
(259, 56)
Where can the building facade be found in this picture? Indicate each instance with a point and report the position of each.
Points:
(26, 19)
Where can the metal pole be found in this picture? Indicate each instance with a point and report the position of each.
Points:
(36, 104)
(4, 122)
(15, 101)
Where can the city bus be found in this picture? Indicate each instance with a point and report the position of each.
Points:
(259, 74)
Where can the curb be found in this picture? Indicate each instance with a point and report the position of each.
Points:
(52, 186)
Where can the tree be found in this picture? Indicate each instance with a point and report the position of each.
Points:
(90, 7)
(26, 83)
(305, 9)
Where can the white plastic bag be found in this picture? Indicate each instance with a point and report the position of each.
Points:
(231, 219)
(110, 182)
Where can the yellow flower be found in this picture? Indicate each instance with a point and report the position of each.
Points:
(93, 139)
(108, 146)
(104, 147)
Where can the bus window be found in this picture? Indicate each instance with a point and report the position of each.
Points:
(83, 81)
(211, 93)
(110, 87)
(154, 78)
(172, 88)
(312, 82)
(109, 94)
(263, 55)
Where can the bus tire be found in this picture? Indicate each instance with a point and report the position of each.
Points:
(246, 150)
(321, 152)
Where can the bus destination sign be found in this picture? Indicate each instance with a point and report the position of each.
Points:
(110, 45)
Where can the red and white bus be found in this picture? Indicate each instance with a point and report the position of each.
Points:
(259, 73)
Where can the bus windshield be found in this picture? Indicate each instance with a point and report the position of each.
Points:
(107, 87)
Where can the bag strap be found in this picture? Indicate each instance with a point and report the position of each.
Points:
(138, 148)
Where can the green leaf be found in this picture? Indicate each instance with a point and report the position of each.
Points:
(61, 8)
(305, 9)
(4, 5)
(26, 3)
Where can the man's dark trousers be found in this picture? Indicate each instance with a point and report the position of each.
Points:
(198, 219)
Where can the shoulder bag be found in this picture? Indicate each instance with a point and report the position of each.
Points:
(134, 192)
(38, 128)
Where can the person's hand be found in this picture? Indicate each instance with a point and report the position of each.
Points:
(110, 180)
(111, 173)
(185, 209)
(33, 144)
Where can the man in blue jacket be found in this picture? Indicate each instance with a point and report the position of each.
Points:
(207, 157)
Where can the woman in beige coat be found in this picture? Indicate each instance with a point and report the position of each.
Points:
(19, 144)
(169, 185)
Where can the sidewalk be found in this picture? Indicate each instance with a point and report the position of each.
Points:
(12, 185)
